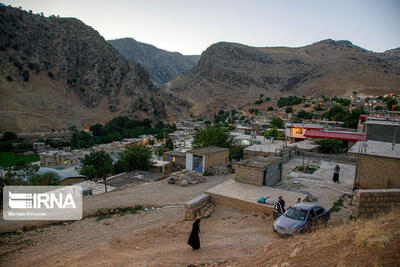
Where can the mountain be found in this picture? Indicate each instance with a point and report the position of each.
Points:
(162, 65)
(58, 72)
(231, 73)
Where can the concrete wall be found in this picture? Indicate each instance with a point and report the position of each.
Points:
(194, 206)
(255, 175)
(377, 172)
(189, 161)
(215, 159)
(178, 159)
(383, 133)
(248, 174)
(368, 203)
(241, 204)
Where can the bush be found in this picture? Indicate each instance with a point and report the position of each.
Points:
(9, 136)
(235, 152)
(136, 158)
(212, 136)
(96, 164)
(330, 145)
(289, 109)
(289, 101)
(270, 108)
(277, 122)
(208, 173)
(273, 133)
(302, 114)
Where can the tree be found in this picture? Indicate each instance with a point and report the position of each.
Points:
(135, 158)
(289, 109)
(99, 161)
(390, 103)
(270, 108)
(212, 136)
(330, 145)
(47, 178)
(277, 122)
(302, 114)
(235, 152)
(274, 132)
(169, 144)
(9, 136)
(318, 107)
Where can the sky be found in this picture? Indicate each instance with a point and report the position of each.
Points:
(189, 27)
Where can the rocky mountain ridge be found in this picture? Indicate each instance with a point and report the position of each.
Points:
(59, 72)
(163, 66)
(232, 73)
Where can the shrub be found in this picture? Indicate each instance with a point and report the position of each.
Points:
(330, 145)
(277, 122)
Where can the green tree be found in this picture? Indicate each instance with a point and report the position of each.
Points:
(318, 107)
(169, 144)
(330, 145)
(136, 158)
(289, 109)
(47, 178)
(101, 162)
(235, 152)
(274, 132)
(9, 136)
(302, 114)
(278, 123)
(270, 108)
(390, 103)
(212, 136)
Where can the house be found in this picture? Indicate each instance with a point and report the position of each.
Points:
(259, 170)
(378, 165)
(384, 131)
(174, 156)
(55, 159)
(349, 138)
(201, 159)
(295, 131)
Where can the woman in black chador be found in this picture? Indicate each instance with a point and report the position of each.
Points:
(194, 239)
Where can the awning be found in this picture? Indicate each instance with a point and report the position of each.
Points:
(344, 136)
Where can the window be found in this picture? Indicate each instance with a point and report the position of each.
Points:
(319, 210)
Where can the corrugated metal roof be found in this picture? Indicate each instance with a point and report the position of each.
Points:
(344, 136)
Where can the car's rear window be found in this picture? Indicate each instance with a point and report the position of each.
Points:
(296, 214)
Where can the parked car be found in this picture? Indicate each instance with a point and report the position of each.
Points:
(301, 217)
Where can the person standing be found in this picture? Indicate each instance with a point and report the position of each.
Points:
(336, 174)
(194, 239)
(282, 202)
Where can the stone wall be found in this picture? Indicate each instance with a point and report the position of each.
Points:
(216, 158)
(377, 172)
(368, 203)
(194, 206)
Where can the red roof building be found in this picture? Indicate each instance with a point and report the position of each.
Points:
(344, 136)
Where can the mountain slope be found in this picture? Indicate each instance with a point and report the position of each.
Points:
(162, 65)
(59, 72)
(231, 73)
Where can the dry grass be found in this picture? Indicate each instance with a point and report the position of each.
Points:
(363, 242)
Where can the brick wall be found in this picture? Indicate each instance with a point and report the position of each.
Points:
(217, 158)
(367, 203)
(377, 172)
(248, 174)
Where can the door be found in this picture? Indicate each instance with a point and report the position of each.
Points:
(265, 177)
(198, 163)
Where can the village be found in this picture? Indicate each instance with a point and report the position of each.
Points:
(236, 179)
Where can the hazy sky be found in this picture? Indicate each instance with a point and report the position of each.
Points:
(190, 27)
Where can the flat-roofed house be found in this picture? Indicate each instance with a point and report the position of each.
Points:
(201, 159)
(378, 165)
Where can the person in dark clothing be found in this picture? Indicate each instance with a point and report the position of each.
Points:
(282, 202)
(194, 240)
(336, 171)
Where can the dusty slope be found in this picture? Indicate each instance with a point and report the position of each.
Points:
(59, 72)
(162, 65)
(231, 73)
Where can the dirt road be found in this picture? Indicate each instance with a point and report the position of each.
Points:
(152, 238)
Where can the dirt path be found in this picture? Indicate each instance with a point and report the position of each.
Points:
(152, 238)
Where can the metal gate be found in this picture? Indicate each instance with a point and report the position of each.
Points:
(198, 163)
